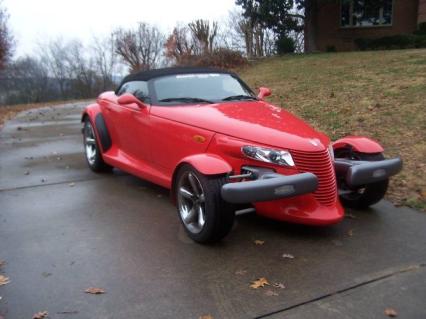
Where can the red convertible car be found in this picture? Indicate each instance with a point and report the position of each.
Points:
(219, 148)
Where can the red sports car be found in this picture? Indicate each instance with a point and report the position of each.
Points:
(219, 148)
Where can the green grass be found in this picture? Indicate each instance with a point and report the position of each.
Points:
(380, 94)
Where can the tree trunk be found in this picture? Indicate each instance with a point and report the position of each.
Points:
(310, 26)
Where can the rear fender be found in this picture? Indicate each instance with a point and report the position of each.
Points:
(359, 144)
(94, 113)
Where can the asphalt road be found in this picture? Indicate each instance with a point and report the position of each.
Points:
(64, 229)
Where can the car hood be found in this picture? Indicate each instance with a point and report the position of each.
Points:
(258, 122)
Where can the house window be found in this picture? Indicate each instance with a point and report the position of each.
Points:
(366, 13)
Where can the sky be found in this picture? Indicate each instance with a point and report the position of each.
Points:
(33, 21)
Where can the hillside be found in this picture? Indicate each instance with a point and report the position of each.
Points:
(380, 94)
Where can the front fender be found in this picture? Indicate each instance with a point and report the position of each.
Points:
(94, 113)
(359, 144)
(91, 111)
(207, 164)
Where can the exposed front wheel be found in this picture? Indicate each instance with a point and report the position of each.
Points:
(365, 195)
(92, 150)
(207, 218)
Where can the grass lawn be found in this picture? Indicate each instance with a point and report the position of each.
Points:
(380, 94)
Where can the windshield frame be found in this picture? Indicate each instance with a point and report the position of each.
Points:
(156, 102)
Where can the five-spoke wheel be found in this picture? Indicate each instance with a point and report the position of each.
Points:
(91, 148)
(204, 214)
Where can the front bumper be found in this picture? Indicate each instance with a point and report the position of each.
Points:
(269, 186)
(266, 185)
(357, 173)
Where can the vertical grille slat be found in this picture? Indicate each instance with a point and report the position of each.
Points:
(320, 164)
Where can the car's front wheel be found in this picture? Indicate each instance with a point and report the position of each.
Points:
(365, 195)
(207, 218)
(91, 148)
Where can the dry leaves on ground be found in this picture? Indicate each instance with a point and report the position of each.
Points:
(94, 291)
(279, 285)
(259, 242)
(4, 280)
(391, 312)
(206, 317)
(261, 282)
(40, 315)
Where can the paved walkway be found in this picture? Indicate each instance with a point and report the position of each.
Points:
(64, 229)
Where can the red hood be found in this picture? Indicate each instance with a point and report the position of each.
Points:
(258, 122)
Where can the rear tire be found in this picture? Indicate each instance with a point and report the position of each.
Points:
(365, 195)
(92, 150)
(206, 217)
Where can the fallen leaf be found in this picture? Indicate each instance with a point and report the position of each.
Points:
(271, 293)
(261, 282)
(288, 256)
(259, 242)
(4, 280)
(206, 317)
(279, 285)
(390, 312)
(241, 272)
(94, 291)
(40, 315)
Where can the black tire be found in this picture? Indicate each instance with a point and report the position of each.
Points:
(218, 215)
(366, 195)
(94, 160)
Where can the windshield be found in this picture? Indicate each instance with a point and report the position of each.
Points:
(200, 88)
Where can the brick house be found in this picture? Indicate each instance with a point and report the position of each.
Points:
(336, 24)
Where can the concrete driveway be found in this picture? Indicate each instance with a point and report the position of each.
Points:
(64, 229)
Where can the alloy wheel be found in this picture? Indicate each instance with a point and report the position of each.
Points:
(191, 202)
(90, 143)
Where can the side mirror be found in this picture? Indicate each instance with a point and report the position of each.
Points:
(264, 92)
(128, 98)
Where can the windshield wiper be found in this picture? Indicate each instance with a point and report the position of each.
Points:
(186, 99)
(239, 97)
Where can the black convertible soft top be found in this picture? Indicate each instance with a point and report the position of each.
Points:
(152, 74)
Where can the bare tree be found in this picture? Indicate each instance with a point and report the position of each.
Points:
(7, 42)
(251, 37)
(141, 48)
(179, 44)
(29, 80)
(54, 55)
(105, 62)
(204, 34)
(80, 70)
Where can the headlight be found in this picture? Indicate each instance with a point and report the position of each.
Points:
(331, 151)
(268, 155)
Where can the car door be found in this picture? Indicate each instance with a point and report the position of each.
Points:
(131, 122)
